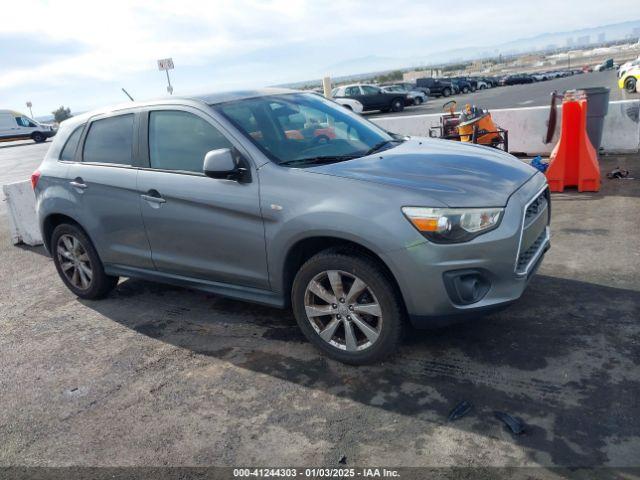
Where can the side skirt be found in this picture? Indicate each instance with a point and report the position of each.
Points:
(249, 294)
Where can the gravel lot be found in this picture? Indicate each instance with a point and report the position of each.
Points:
(518, 96)
(157, 375)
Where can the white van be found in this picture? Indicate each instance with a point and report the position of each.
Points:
(16, 126)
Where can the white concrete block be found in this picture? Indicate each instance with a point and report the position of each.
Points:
(528, 126)
(23, 221)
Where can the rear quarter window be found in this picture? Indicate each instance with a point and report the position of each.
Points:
(68, 152)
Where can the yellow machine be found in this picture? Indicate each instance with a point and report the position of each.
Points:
(473, 125)
(478, 122)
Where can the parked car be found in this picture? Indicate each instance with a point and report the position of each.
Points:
(437, 87)
(625, 67)
(410, 87)
(482, 84)
(414, 97)
(359, 235)
(372, 97)
(540, 76)
(350, 104)
(516, 79)
(463, 86)
(492, 81)
(606, 65)
(16, 126)
(470, 81)
(630, 80)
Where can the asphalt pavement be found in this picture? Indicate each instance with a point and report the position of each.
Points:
(157, 375)
(527, 95)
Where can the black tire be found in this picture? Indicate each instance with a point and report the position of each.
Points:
(417, 101)
(446, 92)
(38, 137)
(397, 105)
(392, 320)
(630, 85)
(348, 107)
(465, 89)
(100, 283)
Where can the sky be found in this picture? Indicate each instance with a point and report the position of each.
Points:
(81, 53)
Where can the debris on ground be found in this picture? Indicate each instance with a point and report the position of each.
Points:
(618, 173)
(538, 164)
(343, 460)
(460, 410)
(516, 425)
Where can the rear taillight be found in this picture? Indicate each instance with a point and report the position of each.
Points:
(35, 176)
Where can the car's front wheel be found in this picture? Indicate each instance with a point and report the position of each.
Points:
(38, 137)
(347, 306)
(630, 85)
(397, 105)
(78, 263)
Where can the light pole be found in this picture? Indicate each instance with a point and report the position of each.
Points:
(29, 107)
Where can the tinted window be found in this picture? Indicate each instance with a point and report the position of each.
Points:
(69, 150)
(25, 122)
(352, 91)
(110, 140)
(180, 140)
(370, 90)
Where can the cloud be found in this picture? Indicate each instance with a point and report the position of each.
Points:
(86, 43)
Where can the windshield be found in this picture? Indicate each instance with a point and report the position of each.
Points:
(301, 127)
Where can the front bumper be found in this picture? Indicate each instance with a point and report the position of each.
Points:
(504, 259)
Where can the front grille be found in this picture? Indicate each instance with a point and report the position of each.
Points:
(535, 233)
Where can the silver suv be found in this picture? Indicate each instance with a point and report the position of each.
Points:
(287, 199)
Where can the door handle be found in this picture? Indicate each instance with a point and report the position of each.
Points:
(78, 183)
(153, 196)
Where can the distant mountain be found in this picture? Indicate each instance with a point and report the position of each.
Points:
(544, 41)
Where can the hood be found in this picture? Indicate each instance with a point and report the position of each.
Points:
(456, 174)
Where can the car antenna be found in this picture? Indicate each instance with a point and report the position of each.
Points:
(127, 94)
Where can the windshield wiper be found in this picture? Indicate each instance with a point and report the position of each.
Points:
(378, 146)
(319, 160)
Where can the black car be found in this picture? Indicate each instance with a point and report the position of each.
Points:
(516, 79)
(467, 84)
(437, 87)
(373, 98)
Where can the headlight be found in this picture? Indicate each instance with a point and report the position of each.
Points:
(453, 225)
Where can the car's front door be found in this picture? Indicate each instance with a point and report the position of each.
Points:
(102, 181)
(376, 98)
(198, 227)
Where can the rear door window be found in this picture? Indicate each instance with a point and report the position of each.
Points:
(179, 140)
(110, 140)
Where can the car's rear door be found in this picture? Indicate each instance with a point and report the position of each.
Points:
(102, 181)
(198, 227)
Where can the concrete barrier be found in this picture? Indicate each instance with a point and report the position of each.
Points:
(528, 126)
(23, 221)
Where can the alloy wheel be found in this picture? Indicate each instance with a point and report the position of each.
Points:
(343, 310)
(74, 261)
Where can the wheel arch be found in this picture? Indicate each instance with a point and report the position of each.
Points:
(51, 221)
(305, 248)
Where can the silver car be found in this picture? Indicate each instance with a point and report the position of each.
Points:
(288, 199)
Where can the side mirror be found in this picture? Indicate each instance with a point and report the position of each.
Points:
(221, 164)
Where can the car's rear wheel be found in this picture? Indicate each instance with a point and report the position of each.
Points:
(465, 90)
(347, 306)
(78, 263)
(417, 100)
(630, 85)
(397, 105)
(38, 137)
(446, 92)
